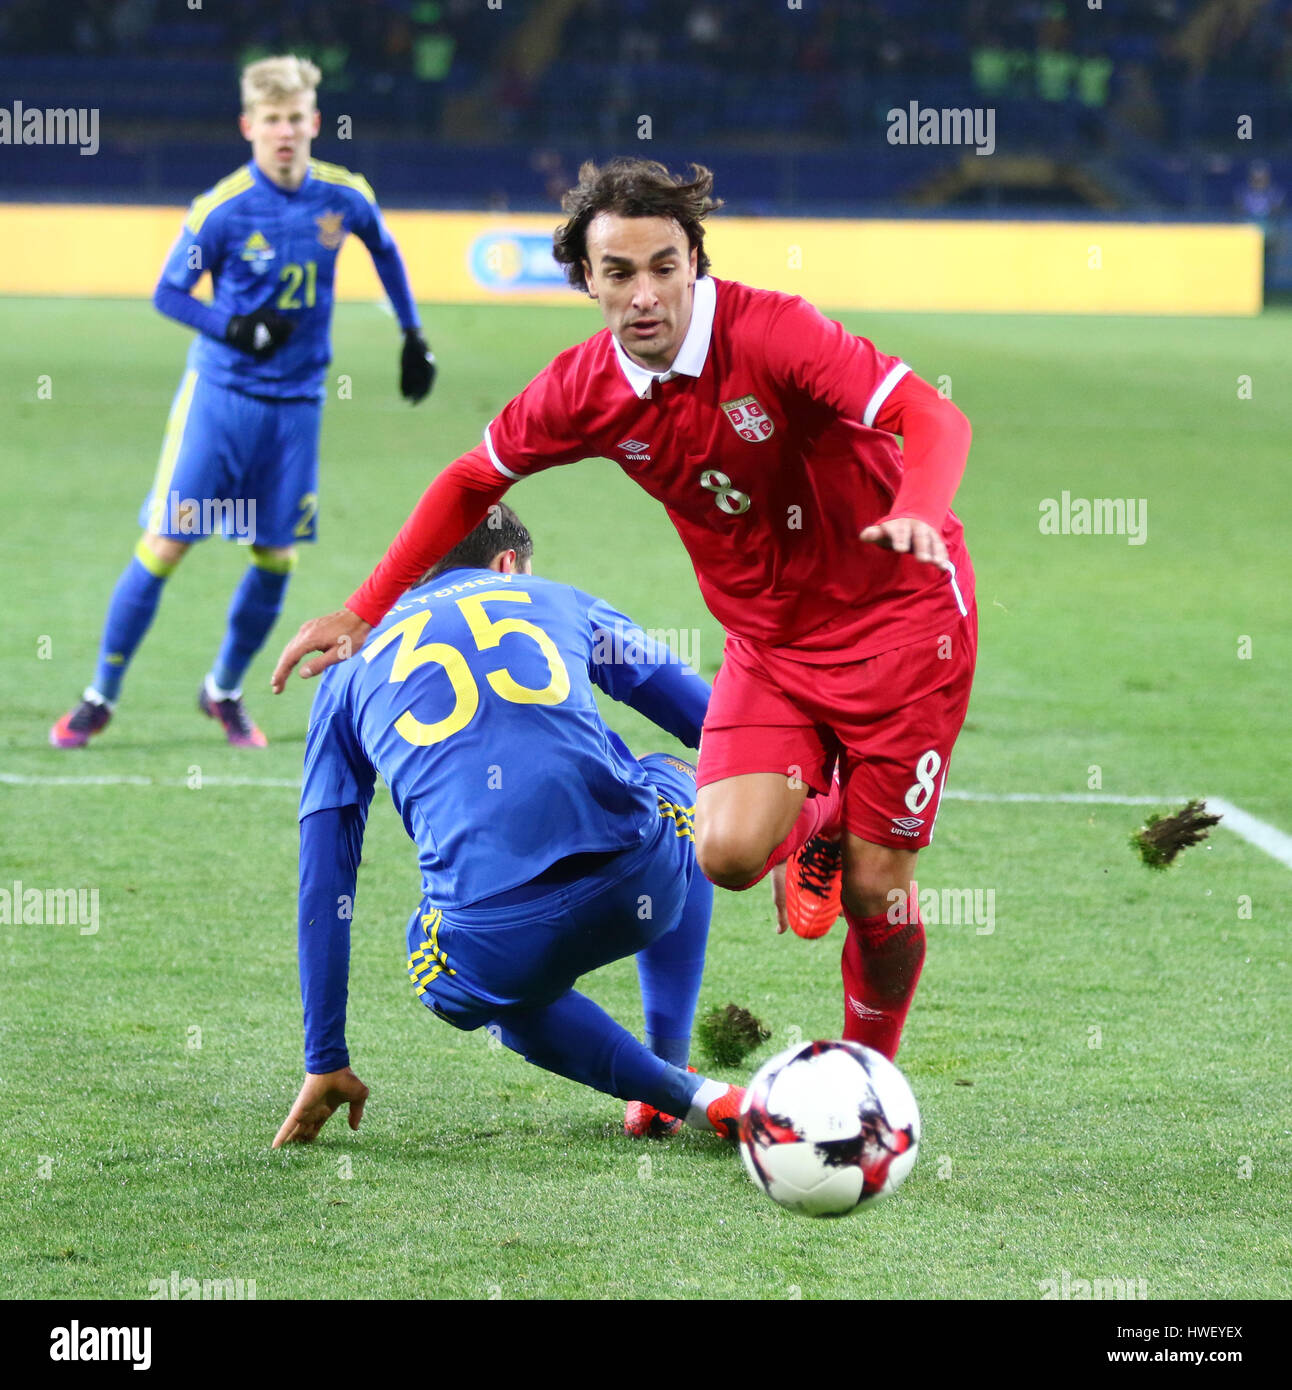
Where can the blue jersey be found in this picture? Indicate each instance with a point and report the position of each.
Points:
(474, 701)
(267, 247)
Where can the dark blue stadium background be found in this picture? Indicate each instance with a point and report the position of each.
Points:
(1131, 108)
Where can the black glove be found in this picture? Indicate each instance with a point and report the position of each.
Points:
(261, 334)
(416, 368)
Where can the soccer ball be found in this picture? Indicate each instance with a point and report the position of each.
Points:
(827, 1127)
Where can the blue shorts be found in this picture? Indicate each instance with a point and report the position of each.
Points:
(526, 948)
(235, 465)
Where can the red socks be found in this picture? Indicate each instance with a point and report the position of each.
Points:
(881, 967)
(816, 814)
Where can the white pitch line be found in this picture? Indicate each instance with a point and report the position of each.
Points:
(1266, 837)
(1256, 832)
(1246, 826)
(18, 779)
(1079, 798)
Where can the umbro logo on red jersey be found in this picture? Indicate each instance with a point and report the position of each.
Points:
(635, 450)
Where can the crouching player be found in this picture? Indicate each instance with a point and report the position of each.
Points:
(546, 850)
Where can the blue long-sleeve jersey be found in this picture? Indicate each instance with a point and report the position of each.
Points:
(267, 247)
(474, 702)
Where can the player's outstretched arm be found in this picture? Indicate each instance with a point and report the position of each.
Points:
(646, 674)
(908, 535)
(337, 791)
(417, 366)
(454, 504)
(935, 447)
(320, 1097)
(335, 636)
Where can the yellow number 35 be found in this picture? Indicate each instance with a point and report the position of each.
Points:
(488, 632)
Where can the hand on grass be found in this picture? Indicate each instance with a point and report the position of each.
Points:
(319, 1097)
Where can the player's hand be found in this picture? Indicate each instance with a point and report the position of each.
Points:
(336, 637)
(416, 368)
(777, 877)
(319, 1097)
(909, 535)
(261, 334)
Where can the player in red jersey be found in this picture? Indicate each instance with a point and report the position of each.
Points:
(829, 554)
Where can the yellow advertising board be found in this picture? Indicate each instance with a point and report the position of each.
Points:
(921, 265)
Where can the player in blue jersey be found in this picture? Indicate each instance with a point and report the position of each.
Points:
(240, 454)
(546, 850)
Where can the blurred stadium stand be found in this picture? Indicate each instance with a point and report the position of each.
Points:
(1132, 108)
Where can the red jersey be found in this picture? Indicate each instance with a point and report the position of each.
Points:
(761, 442)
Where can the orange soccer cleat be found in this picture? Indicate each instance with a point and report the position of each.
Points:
(723, 1113)
(813, 886)
(642, 1121)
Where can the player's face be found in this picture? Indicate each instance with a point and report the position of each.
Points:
(281, 133)
(641, 272)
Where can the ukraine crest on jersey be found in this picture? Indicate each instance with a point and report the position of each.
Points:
(474, 702)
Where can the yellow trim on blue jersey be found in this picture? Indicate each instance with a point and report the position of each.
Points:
(161, 568)
(275, 564)
(336, 173)
(428, 961)
(203, 205)
(171, 442)
(683, 817)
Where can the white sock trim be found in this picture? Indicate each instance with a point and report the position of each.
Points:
(213, 691)
(709, 1091)
(95, 698)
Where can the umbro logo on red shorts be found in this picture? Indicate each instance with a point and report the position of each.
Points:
(906, 825)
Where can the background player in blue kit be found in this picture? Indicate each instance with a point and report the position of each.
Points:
(546, 850)
(240, 454)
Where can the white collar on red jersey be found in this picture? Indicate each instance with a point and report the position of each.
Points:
(695, 346)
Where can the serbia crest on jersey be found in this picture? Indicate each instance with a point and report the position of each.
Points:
(748, 419)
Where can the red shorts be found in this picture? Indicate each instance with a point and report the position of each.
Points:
(890, 722)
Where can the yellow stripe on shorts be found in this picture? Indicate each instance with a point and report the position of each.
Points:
(681, 816)
(174, 437)
(428, 960)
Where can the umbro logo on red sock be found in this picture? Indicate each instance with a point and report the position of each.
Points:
(864, 1010)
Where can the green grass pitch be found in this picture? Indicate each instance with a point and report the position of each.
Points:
(1103, 1076)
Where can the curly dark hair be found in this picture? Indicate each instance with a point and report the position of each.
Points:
(632, 188)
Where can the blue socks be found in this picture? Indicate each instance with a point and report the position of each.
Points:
(576, 1039)
(256, 605)
(130, 613)
(669, 972)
